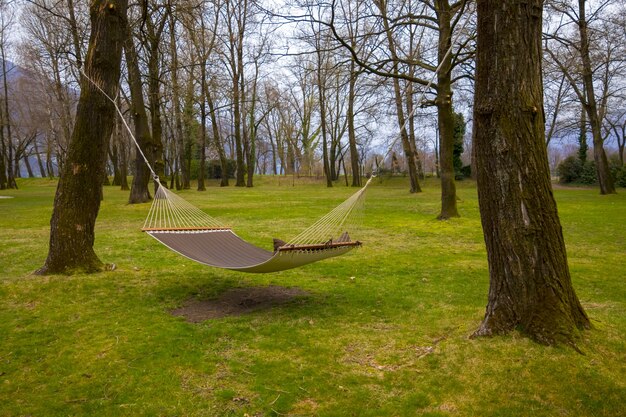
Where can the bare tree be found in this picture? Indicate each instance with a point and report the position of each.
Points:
(390, 21)
(574, 58)
(7, 177)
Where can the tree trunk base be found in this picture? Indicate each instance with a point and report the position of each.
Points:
(67, 265)
(448, 215)
(549, 327)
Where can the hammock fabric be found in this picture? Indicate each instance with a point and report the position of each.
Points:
(190, 232)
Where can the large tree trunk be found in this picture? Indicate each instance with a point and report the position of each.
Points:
(77, 199)
(530, 286)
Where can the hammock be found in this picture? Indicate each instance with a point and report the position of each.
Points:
(192, 233)
(189, 231)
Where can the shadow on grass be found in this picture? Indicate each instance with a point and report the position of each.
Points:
(238, 301)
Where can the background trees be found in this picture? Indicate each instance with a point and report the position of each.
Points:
(314, 89)
(583, 46)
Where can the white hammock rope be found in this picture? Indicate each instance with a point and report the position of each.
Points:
(170, 211)
(332, 225)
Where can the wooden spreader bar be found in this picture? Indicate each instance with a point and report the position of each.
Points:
(180, 229)
(319, 246)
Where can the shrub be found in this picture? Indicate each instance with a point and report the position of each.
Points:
(618, 171)
(588, 174)
(569, 170)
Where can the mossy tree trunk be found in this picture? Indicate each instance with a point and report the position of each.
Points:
(530, 285)
(445, 112)
(77, 199)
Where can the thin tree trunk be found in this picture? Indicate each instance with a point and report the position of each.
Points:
(123, 155)
(582, 136)
(217, 139)
(445, 114)
(605, 178)
(354, 152)
(10, 180)
(3, 153)
(74, 32)
(408, 147)
(77, 199)
(29, 169)
(179, 137)
(530, 286)
(202, 166)
(42, 169)
(322, 103)
(139, 192)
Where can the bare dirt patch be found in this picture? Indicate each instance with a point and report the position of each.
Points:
(238, 301)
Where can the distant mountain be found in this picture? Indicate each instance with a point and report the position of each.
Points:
(14, 72)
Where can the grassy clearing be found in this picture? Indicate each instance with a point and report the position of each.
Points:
(393, 341)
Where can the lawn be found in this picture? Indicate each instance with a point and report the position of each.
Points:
(382, 331)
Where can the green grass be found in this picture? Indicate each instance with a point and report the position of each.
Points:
(393, 341)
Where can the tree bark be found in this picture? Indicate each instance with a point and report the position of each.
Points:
(42, 169)
(29, 169)
(530, 285)
(77, 199)
(203, 118)
(139, 192)
(354, 153)
(445, 114)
